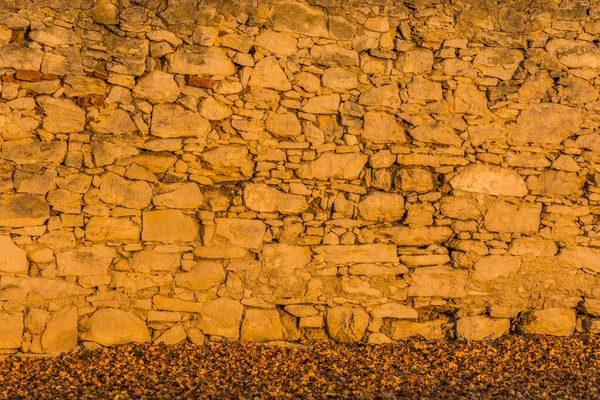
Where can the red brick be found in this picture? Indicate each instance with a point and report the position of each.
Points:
(30, 76)
(200, 81)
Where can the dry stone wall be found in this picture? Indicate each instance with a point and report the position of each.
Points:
(356, 171)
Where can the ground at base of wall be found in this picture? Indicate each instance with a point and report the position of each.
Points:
(513, 367)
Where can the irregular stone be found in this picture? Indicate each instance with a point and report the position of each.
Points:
(405, 236)
(487, 133)
(580, 91)
(552, 321)
(339, 79)
(459, 208)
(175, 304)
(34, 152)
(325, 104)
(178, 195)
(414, 180)
(493, 267)
(12, 259)
(61, 115)
(246, 233)
(122, 192)
(229, 160)
(458, 67)
(287, 257)
(515, 218)
(283, 125)
(205, 275)
(498, 62)
(590, 141)
(489, 179)
(171, 120)
(479, 327)
(395, 311)
(61, 333)
(575, 53)
(581, 258)
(173, 335)
(85, 261)
(102, 229)
(298, 18)
(263, 198)
(157, 87)
(415, 61)
(423, 89)
(222, 317)
(283, 268)
(276, 43)
(132, 282)
(55, 36)
(383, 96)
(268, 74)
(20, 56)
(347, 324)
(366, 253)
(380, 206)
(208, 61)
(11, 330)
(533, 246)
(468, 99)
(331, 55)
(212, 110)
(425, 260)
(168, 226)
(547, 123)
(381, 127)
(113, 121)
(429, 330)
(64, 61)
(78, 86)
(150, 260)
(556, 184)
(14, 126)
(333, 165)
(23, 210)
(442, 281)
(367, 269)
(21, 288)
(261, 326)
(110, 326)
(432, 132)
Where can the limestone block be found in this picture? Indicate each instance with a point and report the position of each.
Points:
(459, 208)
(581, 257)
(55, 36)
(20, 56)
(175, 304)
(417, 180)
(229, 160)
(110, 326)
(333, 165)
(366, 253)
(168, 226)
(85, 261)
(381, 206)
(480, 327)
(61, 115)
(551, 321)
(325, 104)
(369, 269)
(246, 233)
(332, 56)
(11, 330)
(298, 18)
(415, 61)
(19, 288)
(152, 260)
(423, 89)
(420, 236)
(119, 191)
(468, 99)
(520, 218)
(222, 317)
(178, 195)
(23, 210)
(493, 267)
(547, 123)
(489, 179)
(77, 86)
(380, 127)
(264, 198)
(339, 79)
(171, 120)
(61, 333)
(267, 73)
(280, 44)
(440, 281)
(283, 125)
(383, 96)
(213, 110)
(102, 229)
(429, 330)
(157, 87)
(498, 62)
(575, 53)
(556, 184)
(261, 326)
(533, 246)
(209, 61)
(347, 324)
(432, 132)
(205, 275)
(173, 335)
(395, 311)
(15, 126)
(132, 282)
(12, 259)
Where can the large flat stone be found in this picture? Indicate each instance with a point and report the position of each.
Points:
(19, 289)
(208, 61)
(261, 326)
(23, 210)
(493, 267)
(489, 179)
(446, 282)
(61, 333)
(11, 330)
(298, 18)
(12, 259)
(168, 226)
(581, 257)
(346, 254)
(20, 56)
(381, 206)
(380, 127)
(123, 192)
(171, 120)
(547, 123)
(418, 236)
(205, 275)
(479, 327)
(332, 165)
(551, 321)
(518, 218)
(222, 317)
(61, 115)
(498, 62)
(178, 195)
(246, 233)
(575, 53)
(267, 73)
(347, 324)
(556, 184)
(109, 326)
(85, 261)
(34, 152)
(263, 198)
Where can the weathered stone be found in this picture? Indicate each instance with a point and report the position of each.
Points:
(119, 191)
(468, 99)
(497, 62)
(556, 184)
(440, 281)
(384, 96)
(405, 236)
(276, 43)
(286, 257)
(239, 232)
(15, 126)
(205, 275)
(64, 62)
(230, 161)
(61, 333)
(23, 210)
(173, 335)
(170, 121)
(109, 326)
(85, 261)
(113, 121)
(533, 246)
(326, 104)
(62, 115)
(366, 253)
(432, 132)
(178, 195)
(415, 61)
(380, 127)
(459, 208)
(208, 61)
(347, 324)
(429, 330)
(19, 56)
(175, 304)
(264, 198)
(132, 282)
(11, 330)
(581, 257)
(55, 36)
(547, 123)
(575, 53)
(425, 260)
(148, 260)
(519, 218)
(168, 226)
(261, 326)
(414, 180)
(213, 110)
(283, 125)
(222, 317)
(34, 152)
(492, 267)
(331, 55)
(480, 327)
(380, 206)
(12, 259)
(368, 269)
(423, 89)
(488, 179)
(36, 184)
(298, 18)
(101, 229)
(331, 165)
(20, 288)
(339, 79)
(552, 321)
(157, 87)
(268, 74)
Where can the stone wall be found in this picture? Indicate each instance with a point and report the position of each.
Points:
(283, 171)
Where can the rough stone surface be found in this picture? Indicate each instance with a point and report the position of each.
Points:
(551, 321)
(492, 180)
(12, 259)
(261, 326)
(109, 326)
(480, 327)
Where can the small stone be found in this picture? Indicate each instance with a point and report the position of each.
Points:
(109, 326)
(261, 326)
(480, 327)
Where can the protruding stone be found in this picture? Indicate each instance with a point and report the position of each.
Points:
(109, 326)
(62, 115)
(498, 62)
(264, 198)
(222, 317)
(489, 179)
(61, 333)
(23, 210)
(283, 125)
(168, 226)
(480, 327)
(333, 165)
(347, 324)
(551, 321)
(380, 206)
(261, 326)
